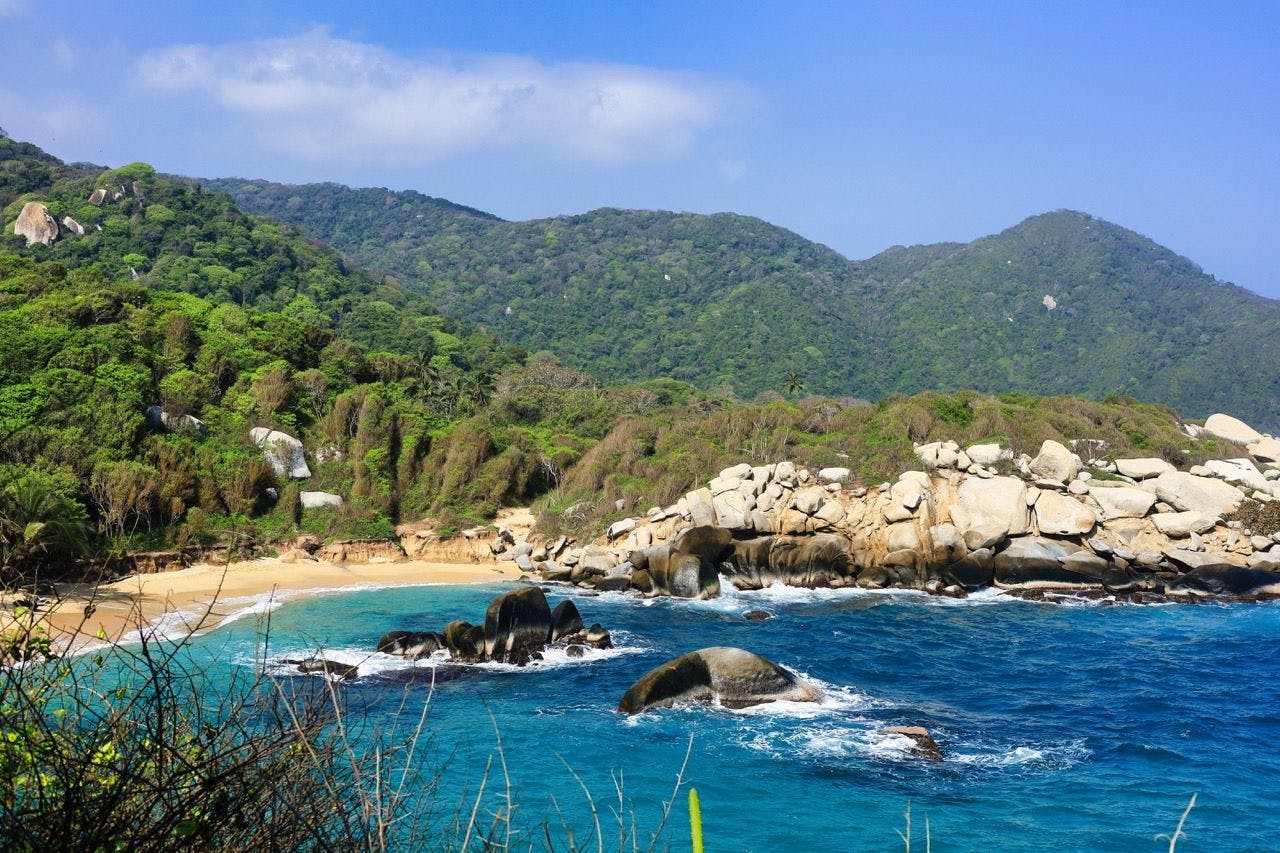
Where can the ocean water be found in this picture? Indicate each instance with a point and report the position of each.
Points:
(1065, 727)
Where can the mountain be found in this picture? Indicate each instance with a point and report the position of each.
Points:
(733, 303)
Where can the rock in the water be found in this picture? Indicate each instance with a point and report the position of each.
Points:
(345, 671)
(465, 641)
(1226, 580)
(728, 676)
(411, 645)
(1231, 429)
(35, 223)
(316, 500)
(566, 621)
(282, 451)
(757, 615)
(923, 743)
(1205, 495)
(516, 626)
(598, 637)
(1056, 462)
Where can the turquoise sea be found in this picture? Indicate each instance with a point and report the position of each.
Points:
(1065, 727)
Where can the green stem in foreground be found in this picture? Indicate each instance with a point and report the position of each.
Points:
(695, 820)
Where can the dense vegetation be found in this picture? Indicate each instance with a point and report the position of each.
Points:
(241, 323)
(735, 304)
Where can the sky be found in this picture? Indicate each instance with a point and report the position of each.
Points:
(859, 125)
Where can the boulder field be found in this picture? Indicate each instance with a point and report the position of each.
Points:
(968, 518)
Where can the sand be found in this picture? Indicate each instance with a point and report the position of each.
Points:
(201, 597)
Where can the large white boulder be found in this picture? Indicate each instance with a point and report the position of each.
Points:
(316, 500)
(283, 451)
(1141, 469)
(1241, 471)
(1265, 450)
(1061, 515)
(988, 454)
(1055, 462)
(733, 510)
(1232, 429)
(834, 474)
(1180, 525)
(35, 223)
(1189, 493)
(1123, 502)
(986, 511)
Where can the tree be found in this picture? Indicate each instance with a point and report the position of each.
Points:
(37, 518)
(793, 384)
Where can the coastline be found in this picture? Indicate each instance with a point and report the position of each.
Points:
(204, 596)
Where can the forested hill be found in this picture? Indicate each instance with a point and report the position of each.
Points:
(732, 302)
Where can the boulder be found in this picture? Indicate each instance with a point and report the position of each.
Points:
(733, 510)
(613, 583)
(1180, 525)
(411, 645)
(317, 500)
(923, 744)
(1265, 450)
(809, 500)
(96, 197)
(516, 626)
(727, 676)
(1226, 580)
(1062, 515)
(464, 641)
(1191, 560)
(73, 226)
(190, 424)
(296, 555)
(620, 528)
(598, 637)
(741, 471)
(282, 451)
(1189, 493)
(1241, 471)
(345, 671)
(1141, 469)
(987, 454)
(835, 474)
(1030, 559)
(1056, 462)
(975, 570)
(35, 224)
(1231, 429)
(701, 510)
(685, 576)
(986, 511)
(947, 545)
(566, 621)
(1123, 502)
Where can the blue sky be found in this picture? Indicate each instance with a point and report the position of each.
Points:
(861, 125)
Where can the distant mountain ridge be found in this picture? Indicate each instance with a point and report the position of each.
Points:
(1059, 303)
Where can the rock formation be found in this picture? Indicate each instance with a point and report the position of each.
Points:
(975, 517)
(282, 451)
(518, 627)
(731, 677)
(35, 223)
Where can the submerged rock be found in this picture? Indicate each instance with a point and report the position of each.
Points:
(411, 645)
(728, 676)
(345, 671)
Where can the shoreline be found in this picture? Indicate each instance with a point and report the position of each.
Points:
(204, 596)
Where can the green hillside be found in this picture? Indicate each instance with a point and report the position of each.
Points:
(733, 303)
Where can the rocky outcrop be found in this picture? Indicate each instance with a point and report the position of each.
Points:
(36, 225)
(518, 627)
(360, 551)
(727, 676)
(1055, 521)
(922, 743)
(282, 451)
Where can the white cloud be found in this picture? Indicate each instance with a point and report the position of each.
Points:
(321, 98)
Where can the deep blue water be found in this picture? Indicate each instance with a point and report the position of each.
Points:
(1065, 727)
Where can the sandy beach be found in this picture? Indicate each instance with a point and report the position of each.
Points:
(200, 597)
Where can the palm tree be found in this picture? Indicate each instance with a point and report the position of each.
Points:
(794, 384)
(36, 519)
